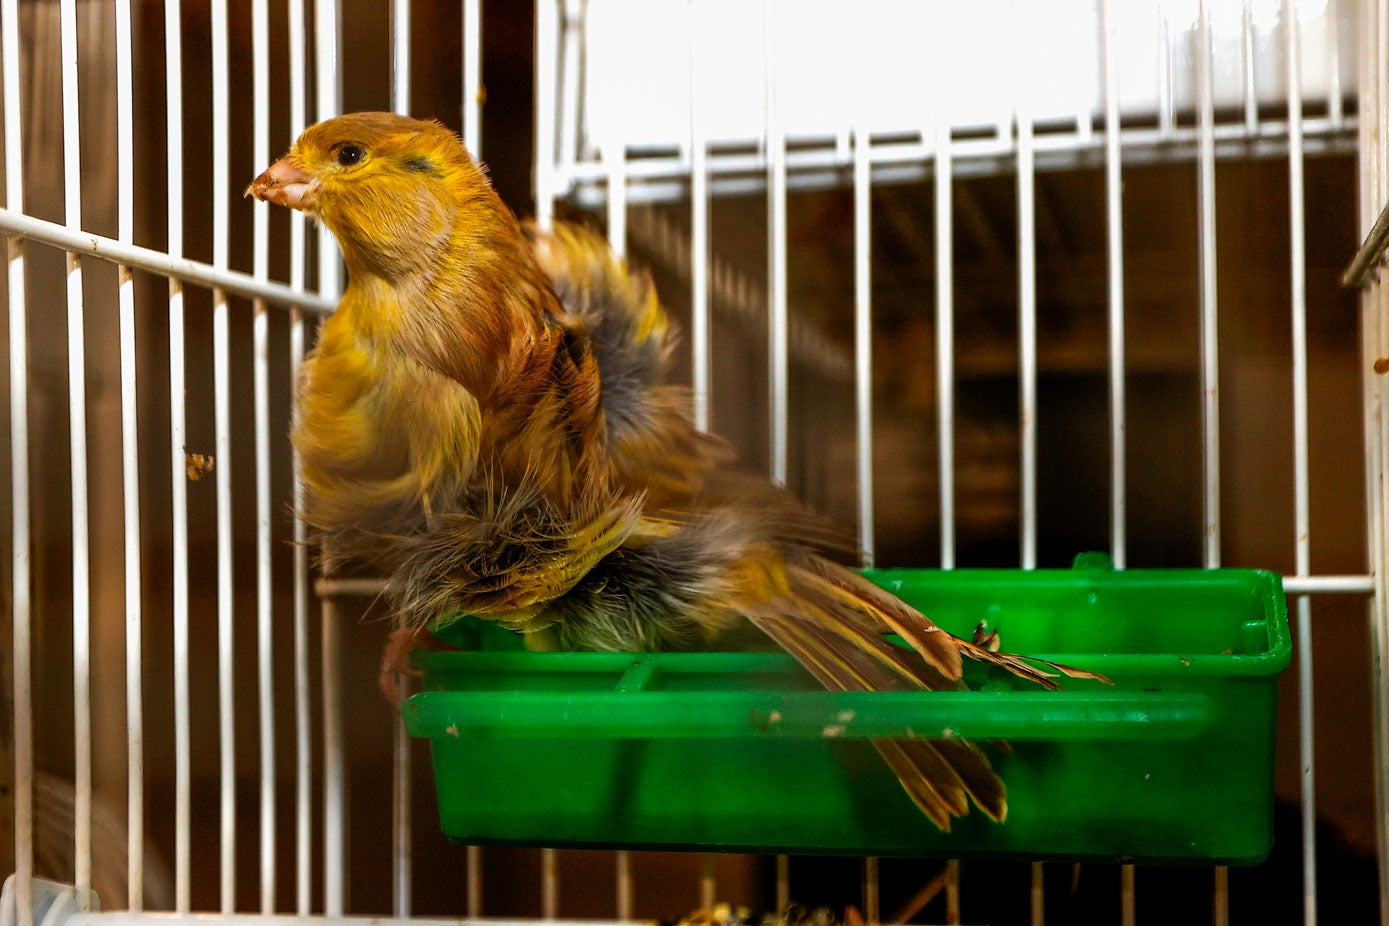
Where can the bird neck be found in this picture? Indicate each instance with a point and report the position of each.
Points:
(480, 287)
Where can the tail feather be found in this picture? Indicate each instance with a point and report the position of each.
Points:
(835, 623)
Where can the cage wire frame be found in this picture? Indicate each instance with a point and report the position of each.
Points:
(611, 180)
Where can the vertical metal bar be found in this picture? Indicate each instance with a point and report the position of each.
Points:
(334, 768)
(1251, 95)
(702, 365)
(401, 812)
(1038, 906)
(571, 31)
(624, 885)
(549, 884)
(401, 866)
(472, 76)
(615, 165)
(1127, 895)
(1167, 115)
(1114, 240)
(1210, 353)
(1027, 292)
(863, 338)
(778, 362)
(1373, 103)
(302, 687)
(328, 92)
(130, 468)
(708, 882)
(1335, 105)
(871, 903)
(952, 891)
(173, 77)
(474, 877)
(945, 337)
(783, 883)
(77, 435)
(265, 639)
(1374, 187)
(1298, 288)
(1210, 415)
(546, 75)
(221, 372)
(400, 56)
(21, 605)
(328, 104)
(303, 733)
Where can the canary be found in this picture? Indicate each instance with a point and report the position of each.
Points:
(485, 420)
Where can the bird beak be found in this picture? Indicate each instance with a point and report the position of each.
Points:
(285, 184)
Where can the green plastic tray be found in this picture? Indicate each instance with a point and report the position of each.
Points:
(744, 752)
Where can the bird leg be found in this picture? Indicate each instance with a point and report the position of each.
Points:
(395, 659)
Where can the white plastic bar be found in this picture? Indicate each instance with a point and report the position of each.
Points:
(1210, 353)
(303, 731)
(1251, 98)
(625, 885)
(945, 338)
(174, 267)
(265, 635)
(1220, 913)
(863, 339)
(702, 365)
(474, 877)
(400, 747)
(783, 882)
(400, 56)
(328, 103)
(130, 468)
(549, 884)
(546, 76)
(1114, 245)
(871, 893)
(778, 368)
(472, 76)
(334, 766)
(1329, 585)
(21, 604)
(173, 80)
(615, 160)
(77, 436)
(1301, 505)
(221, 394)
(1027, 288)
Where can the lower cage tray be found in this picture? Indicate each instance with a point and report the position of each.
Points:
(744, 752)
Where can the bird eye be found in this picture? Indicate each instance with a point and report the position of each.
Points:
(350, 154)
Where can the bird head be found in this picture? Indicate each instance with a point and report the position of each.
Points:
(391, 189)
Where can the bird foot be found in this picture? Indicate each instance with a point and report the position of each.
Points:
(396, 670)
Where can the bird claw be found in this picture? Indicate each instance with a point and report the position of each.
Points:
(396, 668)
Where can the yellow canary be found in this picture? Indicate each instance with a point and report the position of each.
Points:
(485, 420)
